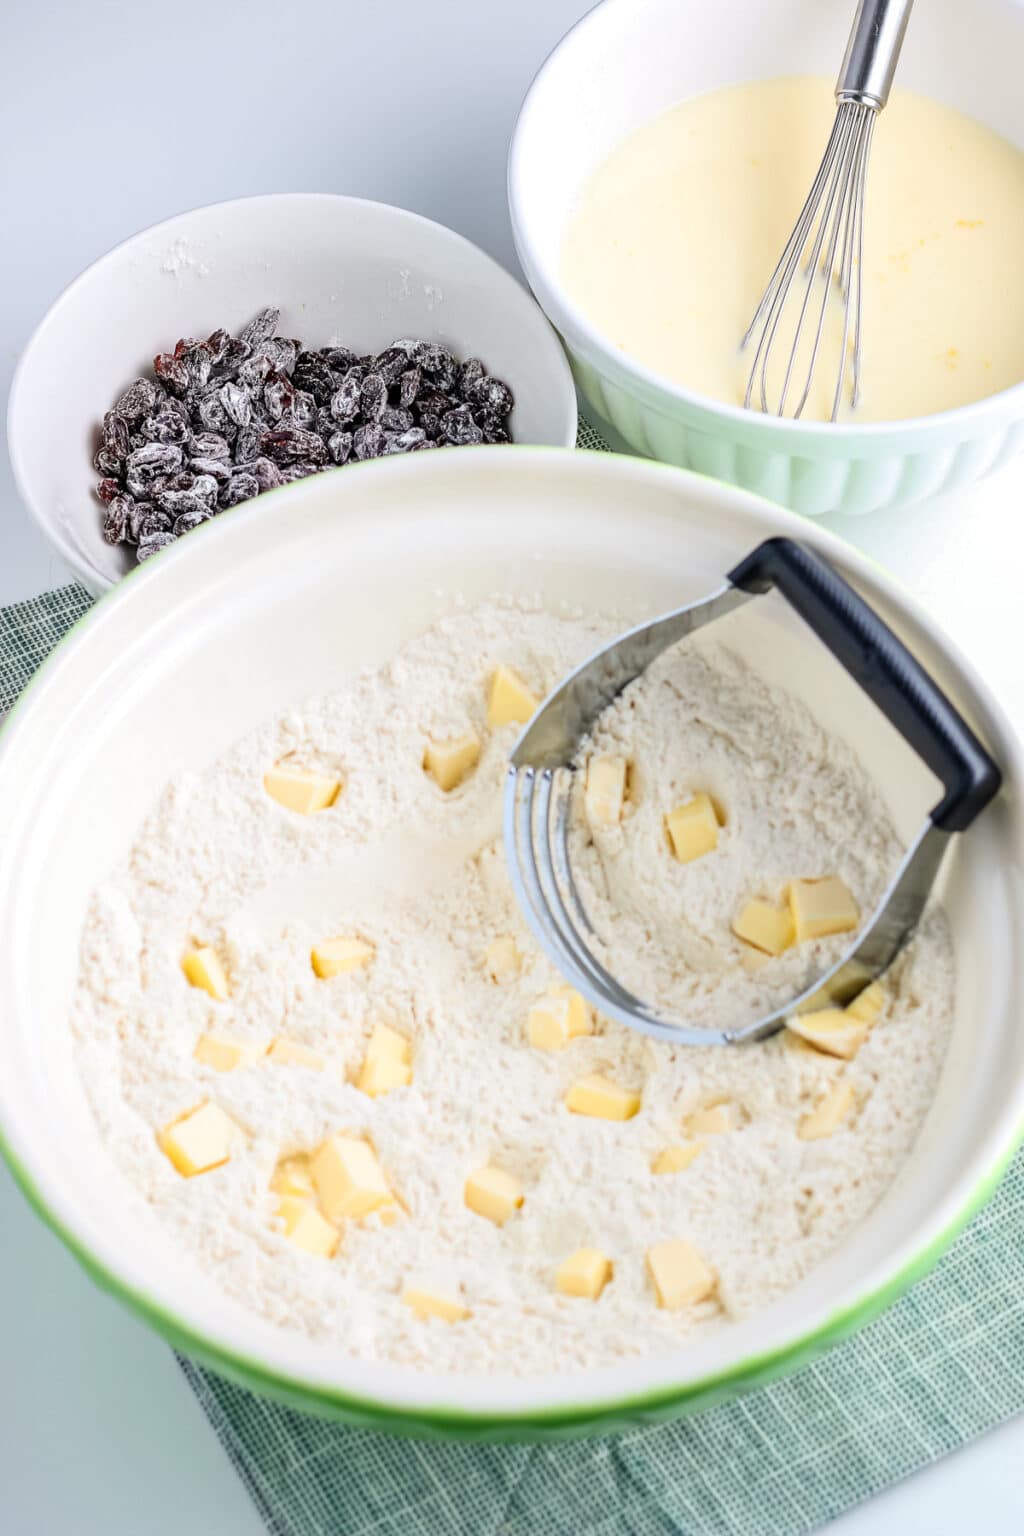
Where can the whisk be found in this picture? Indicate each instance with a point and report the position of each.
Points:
(828, 237)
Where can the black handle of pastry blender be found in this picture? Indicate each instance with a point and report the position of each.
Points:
(874, 657)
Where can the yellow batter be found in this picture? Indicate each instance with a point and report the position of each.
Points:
(678, 231)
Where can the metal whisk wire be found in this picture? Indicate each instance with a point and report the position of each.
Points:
(828, 237)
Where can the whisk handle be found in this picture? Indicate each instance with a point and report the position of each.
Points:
(881, 664)
(869, 62)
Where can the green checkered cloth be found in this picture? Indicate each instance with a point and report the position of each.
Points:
(942, 1366)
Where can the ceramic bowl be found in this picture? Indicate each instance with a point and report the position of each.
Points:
(159, 678)
(629, 60)
(340, 269)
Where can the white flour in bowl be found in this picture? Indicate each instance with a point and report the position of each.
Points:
(421, 874)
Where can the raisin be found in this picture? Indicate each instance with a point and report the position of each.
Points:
(287, 444)
(391, 364)
(137, 401)
(107, 490)
(152, 543)
(409, 386)
(339, 447)
(214, 417)
(301, 412)
(198, 366)
(405, 442)
(266, 474)
(166, 426)
(437, 362)
(189, 520)
(260, 328)
(280, 352)
(344, 404)
(299, 471)
(373, 397)
(312, 373)
(278, 392)
(252, 373)
(116, 519)
(470, 374)
(339, 358)
(154, 460)
(247, 443)
(394, 419)
(171, 372)
(176, 503)
(217, 345)
(492, 395)
(242, 487)
(459, 428)
(237, 403)
(368, 441)
(218, 470)
(209, 445)
(150, 522)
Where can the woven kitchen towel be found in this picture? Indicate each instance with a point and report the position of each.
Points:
(939, 1368)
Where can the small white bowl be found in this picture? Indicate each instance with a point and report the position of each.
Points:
(340, 269)
(629, 60)
(160, 678)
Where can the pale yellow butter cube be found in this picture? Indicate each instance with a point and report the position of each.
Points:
(333, 957)
(831, 1030)
(203, 969)
(605, 795)
(301, 790)
(426, 1302)
(675, 1159)
(581, 1017)
(868, 1005)
(451, 762)
(307, 1229)
(713, 1120)
(681, 1277)
(547, 1024)
(502, 959)
(380, 1074)
(822, 907)
(493, 1193)
(769, 929)
(290, 1053)
(692, 828)
(510, 700)
(292, 1178)
(348, 1178)
(829, 1114)
(201, 1139)
(225, 1055)
(602, 1098)
(585, 1273)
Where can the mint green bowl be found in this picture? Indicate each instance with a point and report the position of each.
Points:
(290, 594)
(628, 60)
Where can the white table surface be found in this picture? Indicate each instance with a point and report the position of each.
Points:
(110, 119)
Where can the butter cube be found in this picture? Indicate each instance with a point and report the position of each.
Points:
(822, 907)
(306, 1228)
(585, 1273)
(675, 1159)
(830, 1113)
(226, 1055)
(348, 1178)
(203, 969)
(713, 1120)
(380, 1074)
(201, 1139)
(502, 959)
(547, 1024)
(869, 1004)
(831, 1030)
(692, 828)
(299, 789)
(601, 1098)
(292, 1178)
(606, 789)
(426, 1301)
(290, 1053)
(510, 699)
(681, 1277)
(581, 1018)
(493, 1193)
(387, 1042)
(452, 761)
(768, 928)
(332, 957)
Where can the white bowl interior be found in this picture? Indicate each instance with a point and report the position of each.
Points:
(629, 60)
(161, 678)
(341, 270)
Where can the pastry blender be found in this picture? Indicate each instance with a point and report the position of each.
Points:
(538, 789)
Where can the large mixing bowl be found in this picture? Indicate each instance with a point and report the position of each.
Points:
(290, 595)
(629, 60)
